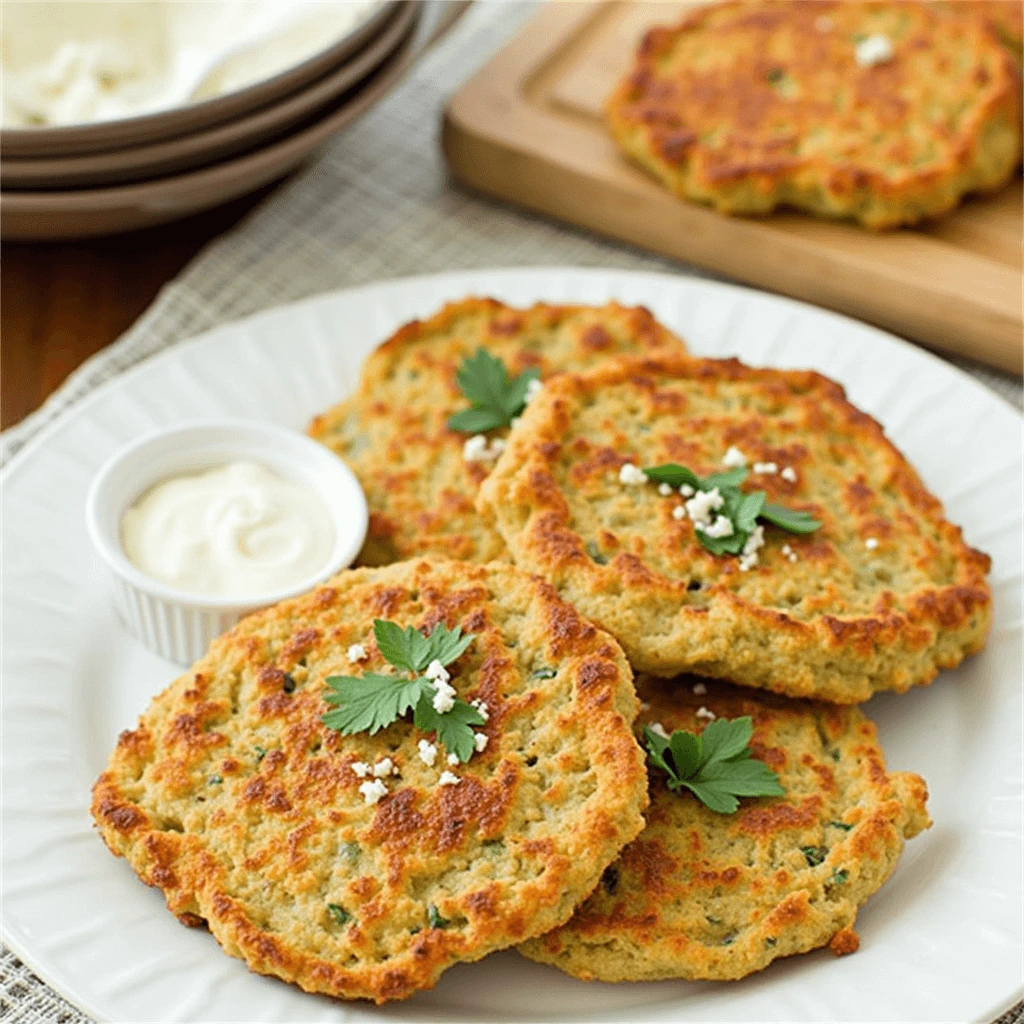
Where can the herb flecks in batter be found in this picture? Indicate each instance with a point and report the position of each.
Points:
(496, 400)
(374, 701)
(716, 766)
(725, 518)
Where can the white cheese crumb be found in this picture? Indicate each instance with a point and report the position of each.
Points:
(437, 673)
(664, 490)
(702, 504)
(453, 758)
(631, 475)
(514, 422)
(373, 791)
(360, 768)
(749, 557)
(383, 768)
(481, 706)
(679, 512)
(703, 712)
(789, 473)
(700, 689)
(721, 527)
(659, 729)
(876, 49)
(533, 389)
(789, 552)
(357, 652)
(448, 779)
(793, 557)
(734, 458)
(478, 449)
(686, 491)
(444, 697)
(428, 753)
(766, 468)
(824, 23)
(871, 543)
(480, 741)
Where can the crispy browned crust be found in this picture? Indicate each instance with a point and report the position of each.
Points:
(843, 621)
(394, 431)
(233, 798)
(700, 895)
(1005, 16)
(752, 105)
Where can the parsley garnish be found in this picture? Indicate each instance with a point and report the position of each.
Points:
(434, 918)
(742, 510)
(373, 701)
(496, 400)
(339, 913)
(716, 766)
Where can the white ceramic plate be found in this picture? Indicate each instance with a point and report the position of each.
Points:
(941, 941)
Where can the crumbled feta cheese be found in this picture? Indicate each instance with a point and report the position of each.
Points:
(824, 23)
(360, 768)
(428, 753)
(793, 557)
(514, 422)
(703, 712)
(383, 768)
(659, 729)
(357, 652)
(631, 475)
(702, 504)
(789, 473)
(721, 527)
(679, 512)
(766, 468)
(444, 697)
(373, 791)
(448, 779)
(480, 741)
(479, 449)
(748, 556)
(481, 706)
(876, 49)
(686, 491)
(533, 389)
(734, 458)
(437, 673)
(871, 543)
(700, 689)
(664, 490)
(789, 552)
(453, 758)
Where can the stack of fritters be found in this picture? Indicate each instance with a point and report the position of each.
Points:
(256, 818)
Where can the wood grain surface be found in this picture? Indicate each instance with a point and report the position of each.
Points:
(529, 128)
(62, 302)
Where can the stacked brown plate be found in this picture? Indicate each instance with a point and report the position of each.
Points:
(99, 178)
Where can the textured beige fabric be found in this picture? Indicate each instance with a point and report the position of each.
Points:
(377, 205)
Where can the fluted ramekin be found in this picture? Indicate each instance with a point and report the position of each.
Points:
(175, 624)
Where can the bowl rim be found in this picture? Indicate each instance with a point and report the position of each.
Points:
(350, 524)
(92, 137)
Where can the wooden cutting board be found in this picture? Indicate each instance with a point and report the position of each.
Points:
(529, 128)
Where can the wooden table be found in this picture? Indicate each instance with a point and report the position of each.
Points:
(61, 302)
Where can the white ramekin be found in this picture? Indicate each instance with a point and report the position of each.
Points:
(177, 625)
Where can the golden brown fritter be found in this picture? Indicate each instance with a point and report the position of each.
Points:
(233, 798)
(700, 895)
(749, 106)
(880, 598)
(394, 430)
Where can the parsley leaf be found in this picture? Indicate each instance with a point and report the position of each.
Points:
(716, 766)
(496, 400)
(374, 701)
(795, 522)
(675, 476)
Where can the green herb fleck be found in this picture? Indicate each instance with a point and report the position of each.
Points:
(340, 914)
(495, 400)
(216, 780)
(840, 824)
(839, 876)
(374, 701)
(435, 919)
(717, 766)
(815, 855)
(836, 755)
(261, 752)
(775, 75)
(545, 673)
(352, 851)
(595, 553)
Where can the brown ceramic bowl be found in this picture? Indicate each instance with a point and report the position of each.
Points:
(185, 152)
(83, 213)
(75, 140)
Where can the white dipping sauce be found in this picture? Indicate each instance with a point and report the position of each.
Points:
(239, 530)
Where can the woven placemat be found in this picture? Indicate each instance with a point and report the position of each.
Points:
(379, 204)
